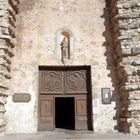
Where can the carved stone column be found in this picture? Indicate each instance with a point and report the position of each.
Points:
(8, 10)
(126, 21)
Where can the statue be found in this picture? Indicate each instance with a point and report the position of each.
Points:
(64, 48)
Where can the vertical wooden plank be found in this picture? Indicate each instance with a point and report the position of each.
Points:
(81, 118)
(46, 115)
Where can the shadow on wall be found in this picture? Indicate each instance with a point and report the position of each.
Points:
(110, 51)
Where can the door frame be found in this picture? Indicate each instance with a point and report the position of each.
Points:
(89, 95)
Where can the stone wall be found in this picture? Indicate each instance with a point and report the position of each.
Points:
(8, 10)
(126, 21)
(38, 23)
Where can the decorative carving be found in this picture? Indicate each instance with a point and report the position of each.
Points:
(64, 82)
(52, 82)
(76, 81)
(64, 48)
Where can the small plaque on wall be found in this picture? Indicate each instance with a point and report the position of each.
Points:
(21, 97)
(106, 95)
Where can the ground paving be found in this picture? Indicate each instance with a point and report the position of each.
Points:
(69, 135)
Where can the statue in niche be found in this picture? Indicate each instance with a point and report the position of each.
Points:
(64, 48)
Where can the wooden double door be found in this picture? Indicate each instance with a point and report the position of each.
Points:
(64, 98)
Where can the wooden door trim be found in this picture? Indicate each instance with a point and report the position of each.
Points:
(81, 96)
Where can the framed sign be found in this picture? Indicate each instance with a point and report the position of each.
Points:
(21, 97)
(106, 95)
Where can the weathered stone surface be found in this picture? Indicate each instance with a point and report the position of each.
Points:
(136, 62)
(7, 34)
(126, 22)
(39, 22)
(2, 120)
(136, 50)
(126, 51)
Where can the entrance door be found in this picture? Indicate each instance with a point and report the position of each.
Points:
(64, 90)
(64, 113)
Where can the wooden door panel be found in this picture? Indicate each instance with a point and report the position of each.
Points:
(51, 82)
(46, 116)
(81, 122)
(60, 82)
(75, 82)
(46, 108)
(81, 107)
(45, 123)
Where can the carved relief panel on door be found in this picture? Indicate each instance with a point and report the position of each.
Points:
(51, 82)
(75, 82)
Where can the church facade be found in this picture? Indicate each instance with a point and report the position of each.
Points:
(70, 64)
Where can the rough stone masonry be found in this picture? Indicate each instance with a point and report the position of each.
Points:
(126, 22)
(125, 19)
(8, 10)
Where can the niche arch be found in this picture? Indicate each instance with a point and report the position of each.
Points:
(70, 40)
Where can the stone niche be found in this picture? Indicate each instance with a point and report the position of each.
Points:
(64, 45)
